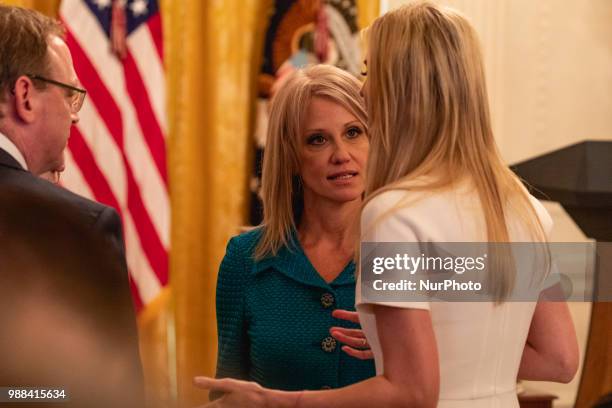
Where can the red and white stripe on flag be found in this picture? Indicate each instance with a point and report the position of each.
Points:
(117, 151)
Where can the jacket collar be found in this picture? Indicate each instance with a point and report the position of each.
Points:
(9, 161)
(293, 263)
(11, 150)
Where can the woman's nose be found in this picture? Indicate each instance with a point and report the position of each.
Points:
(341, 153)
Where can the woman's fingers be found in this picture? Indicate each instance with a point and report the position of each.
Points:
(355, 341)
(356, 344)
(237, 393)
(348, 332)
(215, 384)
(346, 315)
(360, 354)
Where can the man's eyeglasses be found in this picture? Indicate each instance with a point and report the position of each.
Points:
(77, 96)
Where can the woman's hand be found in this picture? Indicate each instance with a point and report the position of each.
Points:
(240, 394)
(236, 393)
(356, 344)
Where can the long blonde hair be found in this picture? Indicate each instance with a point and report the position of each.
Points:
(429, 116)
(281, 193)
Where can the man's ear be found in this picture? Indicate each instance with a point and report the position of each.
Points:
(25, 99)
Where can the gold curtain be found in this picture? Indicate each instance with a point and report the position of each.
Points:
(48, 7)
(368, 11)
(213, 54)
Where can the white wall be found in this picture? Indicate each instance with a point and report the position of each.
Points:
(549, 74)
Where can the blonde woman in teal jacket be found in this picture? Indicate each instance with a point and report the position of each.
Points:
(282, 285)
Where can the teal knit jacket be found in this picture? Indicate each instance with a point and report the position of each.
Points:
(274, 317)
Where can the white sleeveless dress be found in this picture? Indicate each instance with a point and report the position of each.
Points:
(479, 344)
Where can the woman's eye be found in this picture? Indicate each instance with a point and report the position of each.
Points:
(316, 139)
(354, 132)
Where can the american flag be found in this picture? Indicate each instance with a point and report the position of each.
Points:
(117, 152)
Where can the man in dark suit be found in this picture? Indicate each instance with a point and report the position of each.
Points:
(40, 98)
(66, 318)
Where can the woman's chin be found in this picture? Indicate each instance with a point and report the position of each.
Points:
(348, 197)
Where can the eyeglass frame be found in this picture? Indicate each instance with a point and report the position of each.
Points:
(79, 91)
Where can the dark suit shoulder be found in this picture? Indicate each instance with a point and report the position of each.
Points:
(25, 181)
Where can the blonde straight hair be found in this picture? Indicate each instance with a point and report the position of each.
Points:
(429, 117)
(281, 191)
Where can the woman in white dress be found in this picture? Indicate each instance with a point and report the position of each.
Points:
(435, 175)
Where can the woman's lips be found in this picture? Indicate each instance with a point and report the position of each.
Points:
(343, 176)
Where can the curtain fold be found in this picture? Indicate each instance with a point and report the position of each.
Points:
(368, 10)
(212, 57)
(48, 7)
